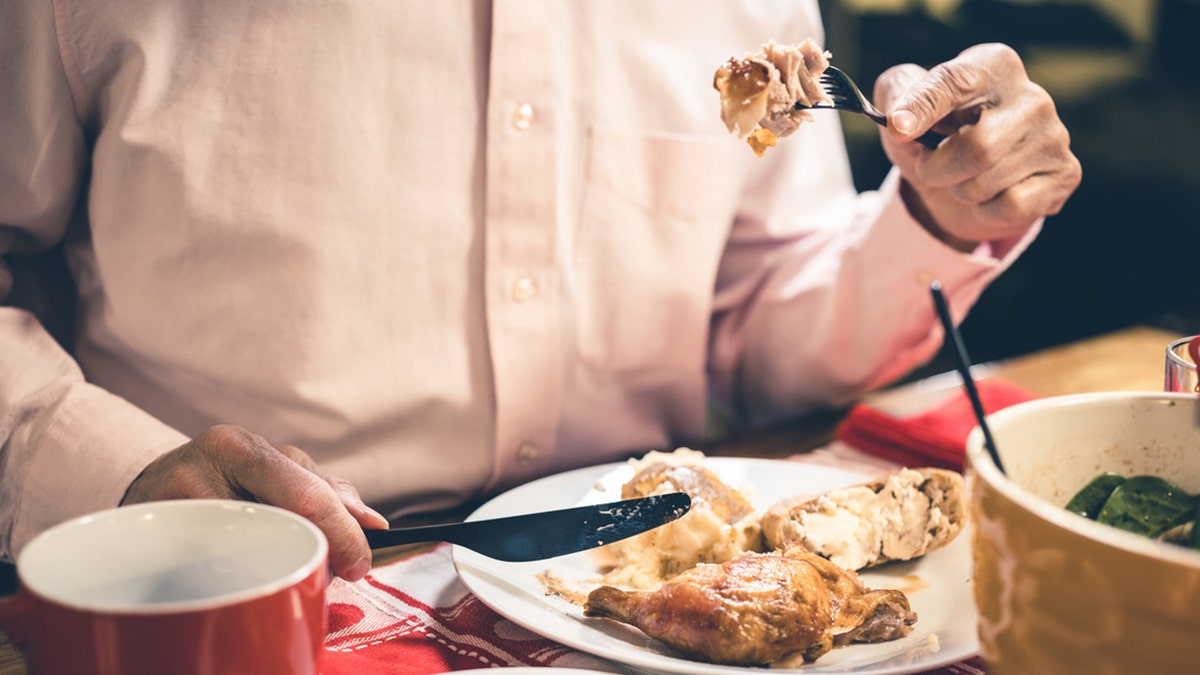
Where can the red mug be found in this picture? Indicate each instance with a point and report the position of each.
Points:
(187, 586)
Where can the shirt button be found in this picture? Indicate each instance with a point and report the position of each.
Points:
(522, 117)
(524, 288)
(526, 453)
(926, 277)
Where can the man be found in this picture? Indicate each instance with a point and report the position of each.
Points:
(445, 248)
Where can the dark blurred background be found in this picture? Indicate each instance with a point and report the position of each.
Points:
(1126, 249)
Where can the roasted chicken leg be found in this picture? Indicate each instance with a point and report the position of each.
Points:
(759, 608)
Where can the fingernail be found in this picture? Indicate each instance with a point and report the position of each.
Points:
(374, 515)
(904, 121)
(358, 570)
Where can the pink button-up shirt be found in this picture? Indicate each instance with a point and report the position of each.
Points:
(445, 247)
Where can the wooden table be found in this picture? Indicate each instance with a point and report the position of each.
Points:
(1126, 360)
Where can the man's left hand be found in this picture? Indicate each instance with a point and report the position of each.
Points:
(1007, 160)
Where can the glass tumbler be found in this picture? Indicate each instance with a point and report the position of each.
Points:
(1180, 374)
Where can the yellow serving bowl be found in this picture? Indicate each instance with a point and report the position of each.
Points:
(1056, 592)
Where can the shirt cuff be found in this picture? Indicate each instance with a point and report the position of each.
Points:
(82, 458)
(1002, 251)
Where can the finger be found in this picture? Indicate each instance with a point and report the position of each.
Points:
(1024, 202)
(273, 477)
(982, 171)
(990, 155)
(366, 516)
(298, 456)
(1001, 151)
(962, 88)
(284, 483)
(1010, 211)
(893, 82)
(890, 86)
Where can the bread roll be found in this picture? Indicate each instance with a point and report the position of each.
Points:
(903, 516)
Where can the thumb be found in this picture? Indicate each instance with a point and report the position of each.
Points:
(894, 93)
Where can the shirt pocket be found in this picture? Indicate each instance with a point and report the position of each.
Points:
(655, 213)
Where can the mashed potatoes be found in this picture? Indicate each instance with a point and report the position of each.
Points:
(720, 525)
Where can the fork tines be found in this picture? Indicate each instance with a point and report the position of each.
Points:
(835, 87)
(845, 95)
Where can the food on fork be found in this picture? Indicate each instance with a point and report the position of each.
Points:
(760, 608)
(903, 516)
(720, 525)
(759, 93)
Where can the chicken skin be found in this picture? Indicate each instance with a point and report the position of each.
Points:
(759, 608)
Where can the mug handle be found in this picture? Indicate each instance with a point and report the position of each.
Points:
(13, 611)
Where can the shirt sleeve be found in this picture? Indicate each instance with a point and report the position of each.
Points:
(66, 447)
(824, 294)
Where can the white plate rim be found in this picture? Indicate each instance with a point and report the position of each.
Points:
(512, 589)
(537, 670)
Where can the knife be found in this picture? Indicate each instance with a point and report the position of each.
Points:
(548, 534)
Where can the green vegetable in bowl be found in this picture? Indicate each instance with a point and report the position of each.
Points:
(1088, 501)
(1145, 505)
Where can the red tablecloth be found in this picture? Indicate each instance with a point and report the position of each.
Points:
(415, 616)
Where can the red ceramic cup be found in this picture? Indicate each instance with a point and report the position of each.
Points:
(188, 586)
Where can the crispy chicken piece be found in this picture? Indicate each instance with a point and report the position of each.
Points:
(759, 608)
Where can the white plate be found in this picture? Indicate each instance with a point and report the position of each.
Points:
(938, 586)
(534, 670)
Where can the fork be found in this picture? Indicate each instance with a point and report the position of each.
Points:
(848, 97)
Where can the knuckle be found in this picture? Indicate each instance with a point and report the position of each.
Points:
(298, 456)
(947, 86)
(1039, 106)
(223, 436)
(892, 83)
(955, 79)
(994, 55)
(1074, 174)
(1001, 53)
(341, 485)
(231, 445)
(243, 460)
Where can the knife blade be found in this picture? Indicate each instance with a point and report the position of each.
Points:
(546, 534)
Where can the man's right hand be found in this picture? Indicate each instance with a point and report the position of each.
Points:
(228, 462)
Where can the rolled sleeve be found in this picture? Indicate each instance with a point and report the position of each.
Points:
(70, 447)
(847, 308)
